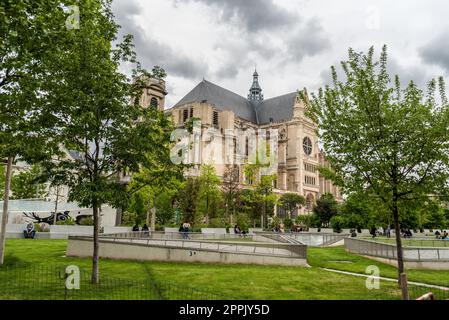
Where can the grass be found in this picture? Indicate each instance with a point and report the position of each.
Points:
(337, 258)
(234, 281)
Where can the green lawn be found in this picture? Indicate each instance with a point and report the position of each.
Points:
(338, 258)
(231, 281)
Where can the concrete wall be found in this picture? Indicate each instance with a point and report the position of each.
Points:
(79, 247)
(414, 257)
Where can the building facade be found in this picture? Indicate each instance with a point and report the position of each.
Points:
(221, 111)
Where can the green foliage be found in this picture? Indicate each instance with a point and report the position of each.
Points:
(209, 196)
(68, 222)
(291, 201)
(87, 221)
(28, 184)
(2, 179)
(288, 223)
(337, 223)
(137, 208)
(382, 139)
(164, 208)
(129, 219)
(188, 197)
(326, 207)
(243, 221)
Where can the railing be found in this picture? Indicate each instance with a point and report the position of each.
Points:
(206, 242)
(313, 239)
(177, 235)
(389, 251)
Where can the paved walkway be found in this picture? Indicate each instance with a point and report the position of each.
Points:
(419, 284)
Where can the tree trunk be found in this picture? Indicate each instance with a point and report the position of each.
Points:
(5, 209)
(153, 216)
(118, 217)
(95, 258)
(55, 217)
(400, 253)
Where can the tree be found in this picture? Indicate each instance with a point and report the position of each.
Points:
(29, 31)
(325, 208)
(103, 120)
(267, 198)
(157, 174)
(209, 192)
(230, 188)
(291, 201)
(188, 199)
(380, 136)
(164, 208)
(28, 184)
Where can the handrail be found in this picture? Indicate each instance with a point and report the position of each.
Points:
(291, 250)
(427, 296)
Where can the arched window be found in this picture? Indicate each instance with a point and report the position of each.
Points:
(310, 201)
(154, 103)
(307, 146)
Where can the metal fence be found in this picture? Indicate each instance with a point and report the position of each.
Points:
(389, 251)
(206, 242)
(416, 292)
(43, 282)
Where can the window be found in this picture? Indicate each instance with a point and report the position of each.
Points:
(215, 118)
(307, 145)
(309, 167)
(191, 112)
(309, 180)
(247, 146)
(185, 116)
(154, 103)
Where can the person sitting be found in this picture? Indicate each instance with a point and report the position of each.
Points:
(136, 228)
(186, 229)
(237, 229)
(445, 236)
(146, 230)
(438, 234)
(29, 231)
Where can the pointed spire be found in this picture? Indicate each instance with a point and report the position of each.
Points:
(255, 93)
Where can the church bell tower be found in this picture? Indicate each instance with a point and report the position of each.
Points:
(255, 93)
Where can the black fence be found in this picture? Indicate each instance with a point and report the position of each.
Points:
(42, 282)
(416, 292)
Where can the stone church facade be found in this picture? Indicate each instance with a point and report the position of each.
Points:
(219, 109)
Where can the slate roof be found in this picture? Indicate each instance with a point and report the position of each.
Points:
(277, 109)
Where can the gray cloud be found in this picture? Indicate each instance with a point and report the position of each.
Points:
(437, 51)
(151, 52)
(254, 15)
(417, 74)
(308, 40)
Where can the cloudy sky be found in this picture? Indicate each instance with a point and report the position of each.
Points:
(292, 42)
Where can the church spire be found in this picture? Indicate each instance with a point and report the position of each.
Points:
(255, 93)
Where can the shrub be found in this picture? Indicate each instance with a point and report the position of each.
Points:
(288, 223)
(88, 221)
(337, 223)
(68, 222)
